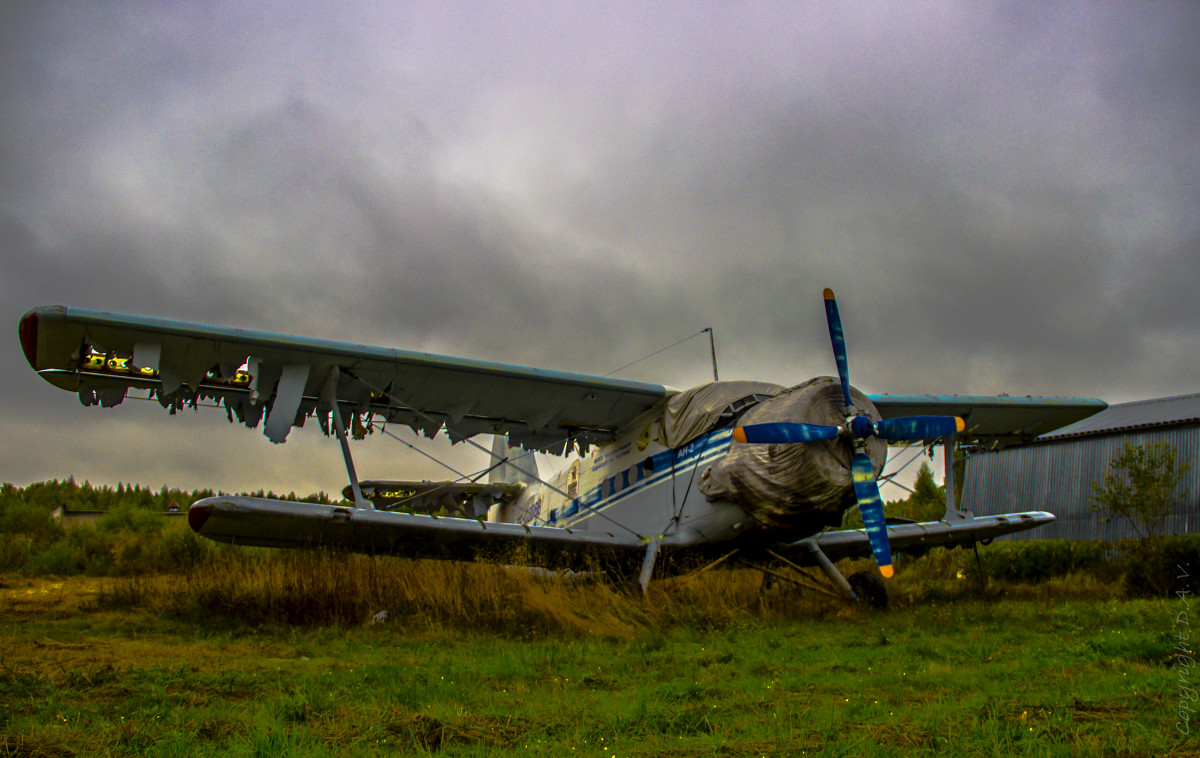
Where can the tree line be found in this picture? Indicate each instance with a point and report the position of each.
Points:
(46, 496)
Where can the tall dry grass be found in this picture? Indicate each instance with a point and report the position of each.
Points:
(253, 587)
(250, 587)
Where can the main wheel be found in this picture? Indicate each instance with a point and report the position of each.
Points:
(869, 588)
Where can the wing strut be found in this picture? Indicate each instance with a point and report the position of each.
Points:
(339, 425)
(949, 442)
(648, 562)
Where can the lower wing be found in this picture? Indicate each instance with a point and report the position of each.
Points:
(276, 523)
(920, 537)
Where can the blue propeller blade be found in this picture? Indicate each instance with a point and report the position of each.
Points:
(784, 431)
(918, 427)
(870, 506)
(839, 344)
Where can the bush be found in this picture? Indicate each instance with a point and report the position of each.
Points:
(58, 559)
(1146, 567)
(25, 529)
(131, 519)
(1037, 560)
(1160, 566)
(131, 537)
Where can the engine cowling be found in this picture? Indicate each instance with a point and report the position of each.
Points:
(795, 487)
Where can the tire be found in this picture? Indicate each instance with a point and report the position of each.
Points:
(870, 589)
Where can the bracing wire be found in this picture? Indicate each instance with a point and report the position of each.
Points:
(461, 476)
(656, 352)
(687, 490)
(490, 454)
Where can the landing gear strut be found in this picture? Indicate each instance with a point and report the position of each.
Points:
(865, 587)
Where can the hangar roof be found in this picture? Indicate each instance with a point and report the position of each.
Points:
(1140, 414)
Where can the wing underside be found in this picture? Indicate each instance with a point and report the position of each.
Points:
(283, 380)
(461, 499)
(991, 420)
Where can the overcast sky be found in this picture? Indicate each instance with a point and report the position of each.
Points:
(1005, 197)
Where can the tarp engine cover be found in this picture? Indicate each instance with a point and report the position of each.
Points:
(803, 486)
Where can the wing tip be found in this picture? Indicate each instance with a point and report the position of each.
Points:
(29, 337)
(198, 513)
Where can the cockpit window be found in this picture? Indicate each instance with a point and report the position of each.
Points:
(739, 406)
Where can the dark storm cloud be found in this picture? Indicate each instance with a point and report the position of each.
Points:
(1004, 196)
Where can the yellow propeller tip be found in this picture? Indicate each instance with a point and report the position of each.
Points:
(739, 434)
(828, 293)
(959, 424)
(886, 571)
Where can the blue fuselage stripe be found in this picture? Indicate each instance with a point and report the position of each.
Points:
(634, 480)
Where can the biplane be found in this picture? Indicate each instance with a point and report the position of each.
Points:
(659, 480)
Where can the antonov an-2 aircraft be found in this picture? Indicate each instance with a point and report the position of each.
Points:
(661, 479)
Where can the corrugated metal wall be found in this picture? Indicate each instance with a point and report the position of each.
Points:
(1057, 477)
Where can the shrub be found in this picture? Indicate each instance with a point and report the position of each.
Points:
(1160, 566)
(1037, 560)
(130, 518)
(58, 559)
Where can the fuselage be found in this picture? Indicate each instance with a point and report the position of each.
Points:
(708, 487)
(635, 483)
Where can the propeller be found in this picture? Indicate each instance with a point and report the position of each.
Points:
(785, 431)
(857, 429)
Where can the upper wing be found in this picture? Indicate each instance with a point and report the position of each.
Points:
(100, 355)
(1002, 418)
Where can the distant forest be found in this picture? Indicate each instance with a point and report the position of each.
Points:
(85, 497)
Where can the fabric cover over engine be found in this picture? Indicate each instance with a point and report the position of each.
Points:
(800, 485)
(693, 412)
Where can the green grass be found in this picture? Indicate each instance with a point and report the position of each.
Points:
(152, 641)
(107, 666)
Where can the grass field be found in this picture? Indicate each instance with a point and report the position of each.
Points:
(92, 666)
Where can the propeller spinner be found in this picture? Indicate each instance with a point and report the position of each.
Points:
(857, 428)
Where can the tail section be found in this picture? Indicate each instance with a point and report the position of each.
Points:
(519, 467)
